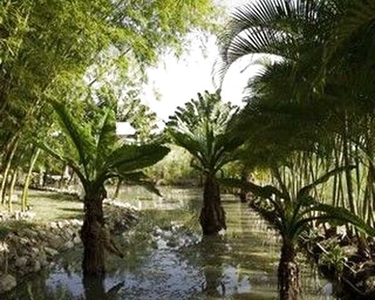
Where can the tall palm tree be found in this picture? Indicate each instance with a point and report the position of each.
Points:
(201, 128)
(96, 155)
(292, 216)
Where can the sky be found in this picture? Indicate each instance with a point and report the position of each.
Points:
(177, 80)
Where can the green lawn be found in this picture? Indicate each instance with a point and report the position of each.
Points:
(48, 207)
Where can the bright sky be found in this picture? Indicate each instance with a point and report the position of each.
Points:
(176, 81)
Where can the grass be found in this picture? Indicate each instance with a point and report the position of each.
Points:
(48, 207)
(51, 206)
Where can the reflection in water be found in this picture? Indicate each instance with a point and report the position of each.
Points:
(95, 289)
(212, 266)
(239, 265)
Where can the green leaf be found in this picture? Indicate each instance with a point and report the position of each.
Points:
(329, 212)
(129, 158)
(107, 138)
(61, 157)
(305, 190)
(79, 136)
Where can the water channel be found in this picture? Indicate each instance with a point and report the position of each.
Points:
(166, 258)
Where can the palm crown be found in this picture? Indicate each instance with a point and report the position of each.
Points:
(201, 128)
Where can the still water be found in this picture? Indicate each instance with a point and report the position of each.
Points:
(166, 258)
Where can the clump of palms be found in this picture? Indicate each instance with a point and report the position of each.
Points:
(292, 216)
(96, 154)
(201, 128)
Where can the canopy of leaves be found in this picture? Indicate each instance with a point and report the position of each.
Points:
(95, 157)
(201, 128)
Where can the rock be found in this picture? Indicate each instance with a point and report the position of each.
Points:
(37, 266)
(34, 251)
(21, 262)
(24, 241)
(29, 233)
(76, 240)
(56, 242)
(53, 225)
(50, 251)
(7, 282)
(68, 245)
(4, 247)
(76, 223)
(70, 231)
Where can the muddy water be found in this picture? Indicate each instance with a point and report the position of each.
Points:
(166, 258)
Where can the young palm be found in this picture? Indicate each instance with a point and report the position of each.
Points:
(96, 157)
(201, 128)
(291, 217)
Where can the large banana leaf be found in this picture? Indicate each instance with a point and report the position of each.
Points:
(79, 135)
(63, 158)
(129, 158)
(107, 139)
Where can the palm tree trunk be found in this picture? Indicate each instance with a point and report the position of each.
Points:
(288, 272)
(91, 233)
(212, 217)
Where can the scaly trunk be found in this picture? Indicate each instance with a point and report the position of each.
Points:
(91, 233)
(288, 272)
(212, 217)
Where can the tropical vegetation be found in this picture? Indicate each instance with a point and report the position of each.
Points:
(307, 124)
(201, 128)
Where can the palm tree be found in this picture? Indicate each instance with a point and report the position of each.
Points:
(316, 100)
(96, 157)
(201, 128)
(291, 217)
(324, 50)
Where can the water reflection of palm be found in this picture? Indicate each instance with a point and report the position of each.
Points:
(95, 289)
(212, 262)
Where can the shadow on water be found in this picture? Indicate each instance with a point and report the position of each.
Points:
(166, 259)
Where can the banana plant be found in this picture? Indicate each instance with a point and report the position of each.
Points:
(291, 217)
(96, 154)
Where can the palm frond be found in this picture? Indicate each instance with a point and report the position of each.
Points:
(328, 212)
(305, 190)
